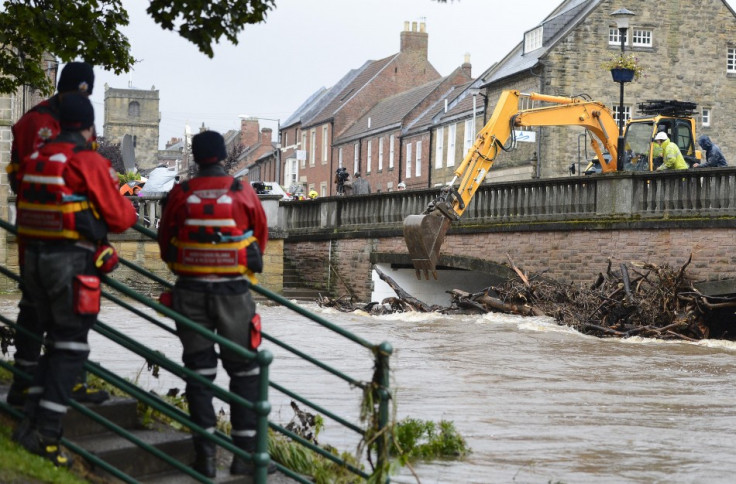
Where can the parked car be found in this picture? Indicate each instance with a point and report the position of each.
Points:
(268, 188)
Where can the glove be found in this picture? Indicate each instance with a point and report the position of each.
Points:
(106, 259)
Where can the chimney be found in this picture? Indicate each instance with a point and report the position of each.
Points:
(414, 41)
(248, 131)
(266, 136)
(466, 67)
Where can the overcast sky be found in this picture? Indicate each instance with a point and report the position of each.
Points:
(302, 46)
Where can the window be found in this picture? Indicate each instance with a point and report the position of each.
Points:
(369, 156)
(451, 144)
(339, 157)
(408, 160)
(286, 139)
(614, 38)
(533, 39)
(304, 149)
(627, 113)
(391, 152)
(134, 109)
(642, 38)
(468, 135)
(440, 148)
(731, 66)
(324, 145)
(380, 153)
(312, 146)
(705, 117)
(419, 159)
(356, 157)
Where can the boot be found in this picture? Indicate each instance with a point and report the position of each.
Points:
(83, 394)
(205, 462)
(243, 467)
(47, 447)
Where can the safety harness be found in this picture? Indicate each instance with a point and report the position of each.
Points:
(47, 207)
(209, 242)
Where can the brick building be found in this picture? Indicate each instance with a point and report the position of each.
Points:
(329, 113)
(134, 112)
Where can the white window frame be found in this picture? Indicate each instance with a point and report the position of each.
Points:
(641, 38)
(614, 36)
(304, 148)
(439, 147)
(391, 143)
(468, 142)
(369, 156)
(380, 153)
(705, 116)
(418, 160)
(533, 39)
(356, 157)
(451, 135)
(312, 147)
(731, 61)
(627, 112)
(324, 145)
(408, 160)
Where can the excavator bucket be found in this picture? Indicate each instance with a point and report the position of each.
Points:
(424, 235)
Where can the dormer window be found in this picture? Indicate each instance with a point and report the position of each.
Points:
(533, 39)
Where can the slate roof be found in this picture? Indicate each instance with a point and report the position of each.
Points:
(310, 103)
(390, 112)
(342, 92)
(555, 27)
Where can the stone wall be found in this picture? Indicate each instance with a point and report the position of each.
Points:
(144, 126)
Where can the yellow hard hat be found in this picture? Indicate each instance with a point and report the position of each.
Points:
(313, 194)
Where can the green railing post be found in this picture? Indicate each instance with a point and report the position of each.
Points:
(381, 382)
(261, 457)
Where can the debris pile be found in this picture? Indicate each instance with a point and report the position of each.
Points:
(634, 299)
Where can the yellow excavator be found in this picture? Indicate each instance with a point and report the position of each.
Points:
(425, 233)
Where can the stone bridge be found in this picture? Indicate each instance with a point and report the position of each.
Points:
(566, 228)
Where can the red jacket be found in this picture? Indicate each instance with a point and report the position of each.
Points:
(247, 210)
(90, 174)
(39, 125)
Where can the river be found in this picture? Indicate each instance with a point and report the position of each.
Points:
(537, 403)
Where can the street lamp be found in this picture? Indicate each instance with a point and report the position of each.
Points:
(622, 17)
(278, 143)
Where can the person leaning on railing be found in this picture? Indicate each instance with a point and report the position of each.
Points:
(212, 233)
(672, 159)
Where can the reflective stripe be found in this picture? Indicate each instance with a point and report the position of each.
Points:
(61, 157)
(35, 390)
(210, 430)
(19, 362)
(206, 371)
(254, 371)
(71, 345)
(54, 407)
(243, 433)
(47, 180)
(221, 222)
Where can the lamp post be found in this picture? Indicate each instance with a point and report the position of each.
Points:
(278, 143)
(622, 17)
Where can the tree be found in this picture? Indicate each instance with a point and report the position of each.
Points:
(112, 152)
(89, 30)
(231, 162)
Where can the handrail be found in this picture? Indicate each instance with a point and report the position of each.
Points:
(379, 386)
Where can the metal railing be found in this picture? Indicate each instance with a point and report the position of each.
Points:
(379, 385)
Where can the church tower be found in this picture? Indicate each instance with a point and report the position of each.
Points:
(134, 112)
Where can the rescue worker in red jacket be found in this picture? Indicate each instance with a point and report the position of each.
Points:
(212, 233)
(68, 200)
(38, 126)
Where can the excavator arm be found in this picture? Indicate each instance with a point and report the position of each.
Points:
(424, 234)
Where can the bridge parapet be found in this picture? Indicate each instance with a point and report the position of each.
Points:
(703, 193)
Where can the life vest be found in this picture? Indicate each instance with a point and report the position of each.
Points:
(47, 207)
(209, 241)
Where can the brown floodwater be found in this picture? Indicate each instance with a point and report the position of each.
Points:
(537, 403)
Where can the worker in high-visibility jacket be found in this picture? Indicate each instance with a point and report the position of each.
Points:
(671, 157)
